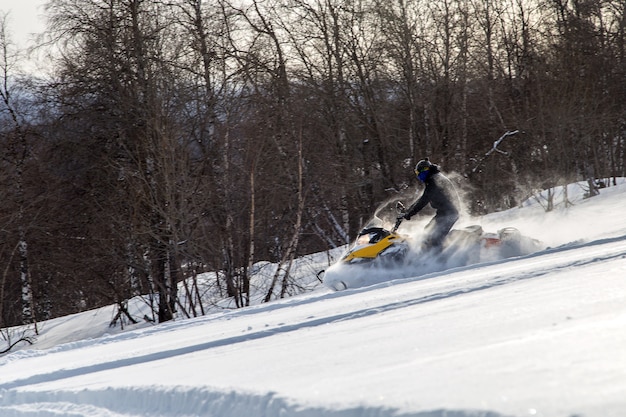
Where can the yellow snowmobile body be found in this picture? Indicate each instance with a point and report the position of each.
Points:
(370, 250)
(373, 242)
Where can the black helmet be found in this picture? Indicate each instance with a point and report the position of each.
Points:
(422, 165)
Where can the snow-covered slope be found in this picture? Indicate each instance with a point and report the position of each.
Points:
(541, 335)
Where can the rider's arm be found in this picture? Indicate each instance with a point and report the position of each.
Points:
(419, 204)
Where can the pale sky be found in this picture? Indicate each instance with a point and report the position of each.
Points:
(25, 19)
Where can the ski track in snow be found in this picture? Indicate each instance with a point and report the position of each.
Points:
(27, 396)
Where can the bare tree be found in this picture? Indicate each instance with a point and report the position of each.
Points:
(17, 152)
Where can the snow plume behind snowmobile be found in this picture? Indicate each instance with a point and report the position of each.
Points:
(379, 254)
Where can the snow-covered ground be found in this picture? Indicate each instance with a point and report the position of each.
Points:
(540, 335)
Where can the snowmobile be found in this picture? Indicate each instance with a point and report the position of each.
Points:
(378, 251)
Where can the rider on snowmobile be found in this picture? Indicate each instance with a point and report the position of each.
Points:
(442, 196)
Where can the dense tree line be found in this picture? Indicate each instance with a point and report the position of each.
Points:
(177, 137)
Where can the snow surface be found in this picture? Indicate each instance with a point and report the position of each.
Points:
(540, 335)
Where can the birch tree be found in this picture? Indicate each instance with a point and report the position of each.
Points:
(17, 152)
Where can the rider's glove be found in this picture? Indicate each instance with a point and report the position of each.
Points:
(407, 216)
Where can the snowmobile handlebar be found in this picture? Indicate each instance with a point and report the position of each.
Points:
(401, 210)
(398, 222)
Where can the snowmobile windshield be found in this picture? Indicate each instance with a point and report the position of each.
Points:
(371, 235)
